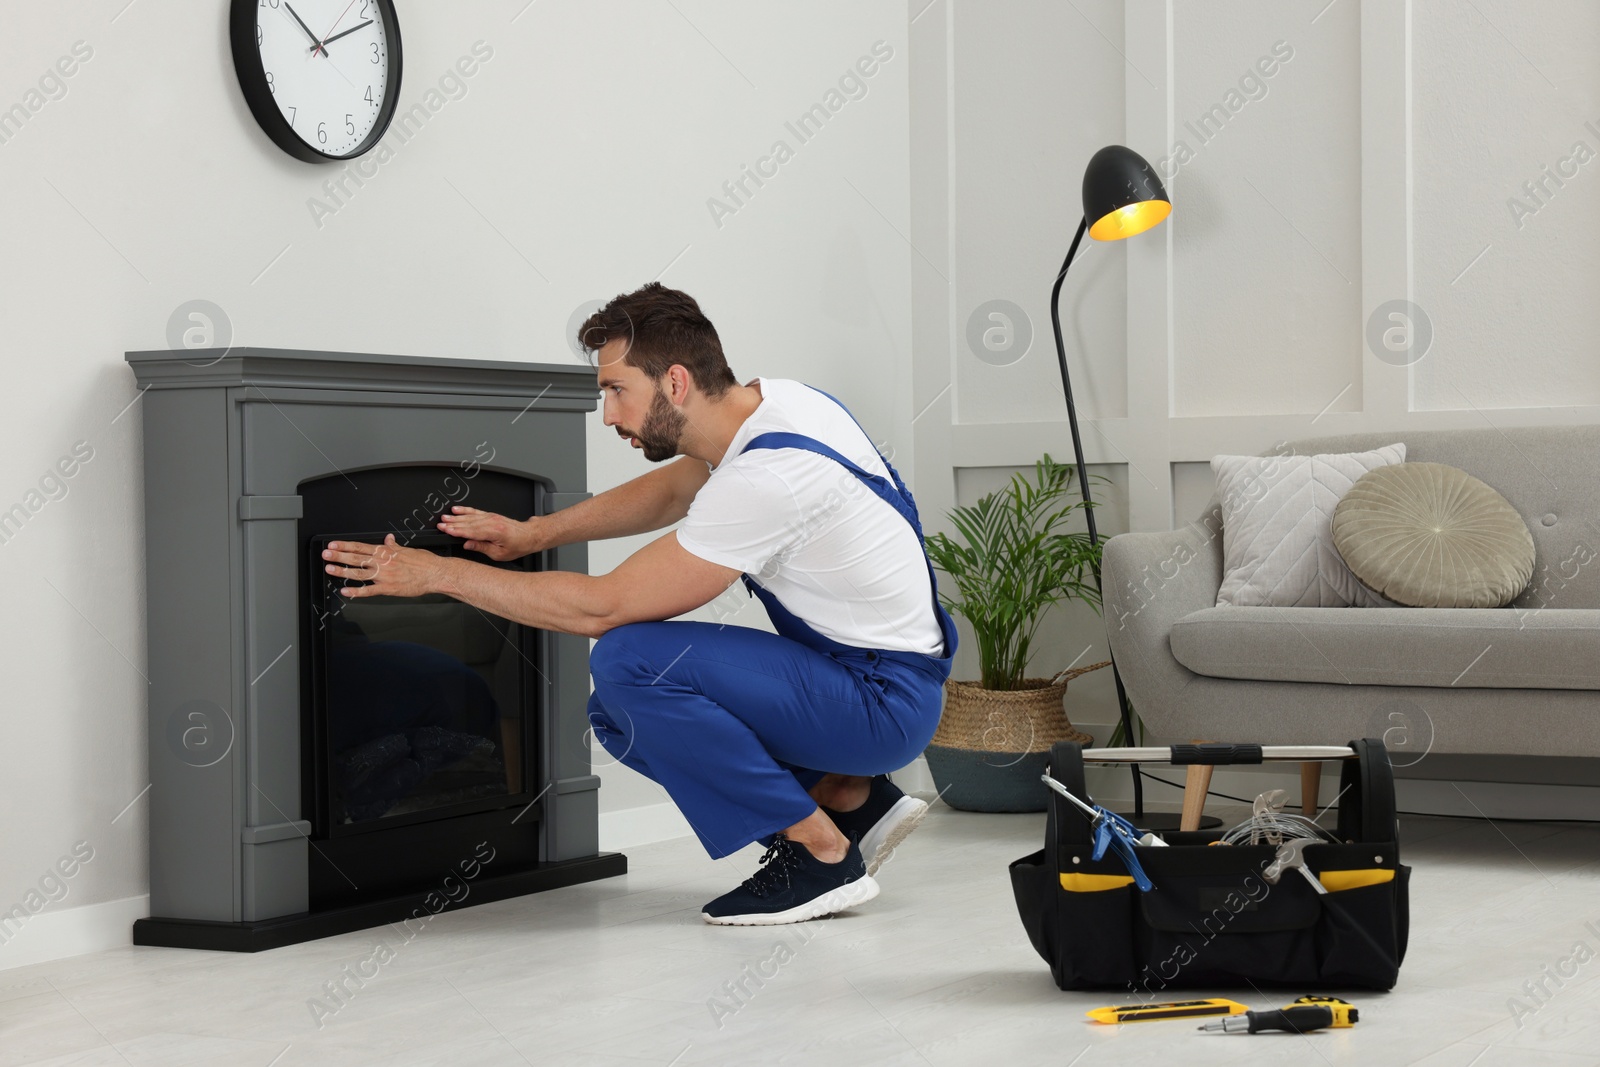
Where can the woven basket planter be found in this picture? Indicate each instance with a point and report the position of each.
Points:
(992, 745)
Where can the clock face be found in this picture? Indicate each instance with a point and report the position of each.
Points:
(321, 76)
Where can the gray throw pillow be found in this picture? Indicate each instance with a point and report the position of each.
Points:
(1427, 535)
(1277, 545)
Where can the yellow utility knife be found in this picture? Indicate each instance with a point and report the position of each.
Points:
(1177, 1009)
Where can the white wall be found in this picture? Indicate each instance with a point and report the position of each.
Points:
(1009, 101)
(1375, 162)
(577, 165)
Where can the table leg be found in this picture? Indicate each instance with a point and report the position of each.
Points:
(1310, 786)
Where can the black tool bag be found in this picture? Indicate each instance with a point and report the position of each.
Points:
(1212, 920)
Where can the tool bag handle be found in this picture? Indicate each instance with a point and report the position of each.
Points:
(1219, 753)
(1064, 824)
(1366, 795)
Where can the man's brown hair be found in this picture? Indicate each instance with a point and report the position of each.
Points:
(663, 327)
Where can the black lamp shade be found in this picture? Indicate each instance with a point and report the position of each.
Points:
(1121, 194)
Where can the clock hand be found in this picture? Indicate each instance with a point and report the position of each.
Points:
(338, 20)
(336, 36)
(315, 44)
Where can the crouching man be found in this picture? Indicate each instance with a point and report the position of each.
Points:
(780, 738)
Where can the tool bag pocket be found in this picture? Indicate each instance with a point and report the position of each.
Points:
(1212, 920)
(1081, 932)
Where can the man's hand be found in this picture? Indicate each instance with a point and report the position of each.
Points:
(393, 569)
(495, 536)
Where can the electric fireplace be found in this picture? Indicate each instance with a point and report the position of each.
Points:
(317, 761)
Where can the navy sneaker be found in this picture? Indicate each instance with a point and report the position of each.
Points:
(882, 822)
(793, 886)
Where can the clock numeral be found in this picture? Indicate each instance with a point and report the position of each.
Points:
(375, 56)
(258, 36)
(369, 96)
(271, 87)
(364, 5)
(269, 3)
(349, 127)
(292, 112)
(322, 132)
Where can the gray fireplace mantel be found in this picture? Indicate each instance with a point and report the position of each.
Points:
(568, 387)
(228, 439)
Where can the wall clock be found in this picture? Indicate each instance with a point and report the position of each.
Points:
(322, 77)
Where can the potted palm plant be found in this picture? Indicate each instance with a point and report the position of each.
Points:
(1012, 558)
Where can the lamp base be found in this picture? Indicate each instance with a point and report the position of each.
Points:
(1164, 821)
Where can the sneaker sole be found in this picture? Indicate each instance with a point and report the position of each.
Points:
(896, 825)
(846, 896)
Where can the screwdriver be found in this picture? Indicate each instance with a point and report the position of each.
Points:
(1300, 1019)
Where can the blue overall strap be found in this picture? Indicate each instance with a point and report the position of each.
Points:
(790, 625)
(898, 484)
(894, 495)
(897, 496)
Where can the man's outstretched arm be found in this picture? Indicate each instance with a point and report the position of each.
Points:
(660, 581)
(652, 501)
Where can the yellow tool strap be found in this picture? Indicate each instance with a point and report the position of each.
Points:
(1094, 883)
(1334, 881)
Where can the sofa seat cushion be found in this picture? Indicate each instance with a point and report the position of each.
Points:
(1480, 648)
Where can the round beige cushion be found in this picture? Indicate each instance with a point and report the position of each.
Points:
(1426, 535)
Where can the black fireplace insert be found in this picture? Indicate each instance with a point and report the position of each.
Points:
(419, 714)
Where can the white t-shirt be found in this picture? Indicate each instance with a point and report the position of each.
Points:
(816, 536)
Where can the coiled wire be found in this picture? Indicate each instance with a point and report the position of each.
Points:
(1268, 825)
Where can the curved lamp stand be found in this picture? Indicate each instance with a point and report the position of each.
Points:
(1123, 195)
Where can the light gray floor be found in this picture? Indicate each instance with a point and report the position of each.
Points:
(935, 971)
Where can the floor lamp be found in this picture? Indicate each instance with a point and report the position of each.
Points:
(1122, 197)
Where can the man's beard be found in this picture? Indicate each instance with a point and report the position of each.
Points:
(663, 426)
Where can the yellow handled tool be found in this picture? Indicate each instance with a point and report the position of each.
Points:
(1344, 1013)
(1176, 1009)
(1301, 1017)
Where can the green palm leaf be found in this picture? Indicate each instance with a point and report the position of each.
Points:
(1011, 559)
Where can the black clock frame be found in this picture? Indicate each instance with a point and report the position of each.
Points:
(253, 82)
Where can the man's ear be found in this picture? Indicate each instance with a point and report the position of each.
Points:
(678, 379)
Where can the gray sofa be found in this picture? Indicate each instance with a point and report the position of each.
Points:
(1517, 681)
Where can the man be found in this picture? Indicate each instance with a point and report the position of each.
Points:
(780, 738)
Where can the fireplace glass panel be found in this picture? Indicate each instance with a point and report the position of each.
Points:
(421, 707)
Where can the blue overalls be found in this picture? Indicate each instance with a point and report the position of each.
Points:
(738, 723)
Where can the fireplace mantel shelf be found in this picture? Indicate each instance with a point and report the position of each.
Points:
(283, 368)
